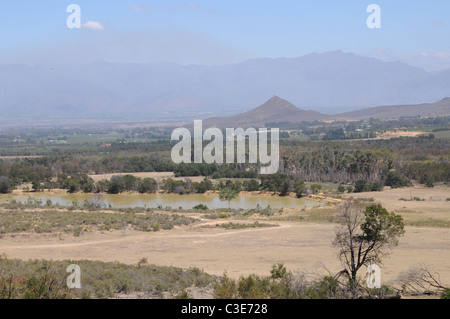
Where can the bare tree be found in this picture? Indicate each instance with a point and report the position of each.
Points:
(98, 200)
(365, 236)
(421, 281)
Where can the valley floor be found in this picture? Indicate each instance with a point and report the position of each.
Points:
(301, 245)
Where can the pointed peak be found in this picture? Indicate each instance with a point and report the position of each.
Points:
(276, 98)
(278, 103)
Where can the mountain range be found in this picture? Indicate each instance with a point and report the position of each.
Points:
(278, 110)
(331, 82)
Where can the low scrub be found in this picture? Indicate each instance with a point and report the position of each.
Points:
(244, 226)
(40, 279)
(13, 221)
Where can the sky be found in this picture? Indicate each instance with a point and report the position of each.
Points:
(215, 32)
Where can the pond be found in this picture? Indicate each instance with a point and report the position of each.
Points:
(165, 200)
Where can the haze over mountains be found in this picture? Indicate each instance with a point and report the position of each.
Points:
(332, 82)
(277, 110)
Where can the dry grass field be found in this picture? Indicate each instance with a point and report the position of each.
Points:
(420, 206)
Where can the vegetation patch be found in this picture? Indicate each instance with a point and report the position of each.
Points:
(40, 279)
(429, 222)
(244, 226)
(48, 221)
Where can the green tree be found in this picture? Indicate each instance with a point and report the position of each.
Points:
(5, 185)
(300, 190)
(147, 185)
(130, 182)
(362, 186)
(365, 235)
(228, 194)
(89, 186)
(315, 188)
(36, 185)
(251, 185)
(395, 180)
(74, 186)
(116, 185)
(285, 186)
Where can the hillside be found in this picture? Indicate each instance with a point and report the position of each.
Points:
(440, 108)
(274, 110)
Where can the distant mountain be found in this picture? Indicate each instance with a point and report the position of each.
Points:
(332, 82)
(274, 110)
(440, 108)
(277, 110)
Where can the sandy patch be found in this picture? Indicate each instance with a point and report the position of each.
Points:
(432, 204)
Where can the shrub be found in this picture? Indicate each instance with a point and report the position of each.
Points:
(361, 186)
(446, 294)
(300, 190)
(278, 271)
(315, 188)
(225, 288)
(251, 185)
(396, 180)
(147, 185)
(376, 187)
(326, 288)
(201, 207)
(42, 282)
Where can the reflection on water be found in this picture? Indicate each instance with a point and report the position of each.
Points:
(166, 200)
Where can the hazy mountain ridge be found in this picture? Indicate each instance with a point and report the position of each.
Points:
(332, 82)
(278, 110)
(439, 108)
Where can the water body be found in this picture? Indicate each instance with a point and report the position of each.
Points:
(166, 200)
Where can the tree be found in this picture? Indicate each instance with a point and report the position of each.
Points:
(315, 188)
(365, 236)
(5, 185)
(300, 190)
(97, 201)
(362, 186)
(251, 185)
(228, 194)
(285, 185)
(147, 185)
(89, 186)
(396, 180)
(116, 185)
(36, 186)
(129, 182)
(74, 186)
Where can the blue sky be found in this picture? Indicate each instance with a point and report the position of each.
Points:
(220, 32)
